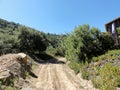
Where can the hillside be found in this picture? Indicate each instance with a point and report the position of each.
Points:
(89, 52)
(104, 70)
(16, 38)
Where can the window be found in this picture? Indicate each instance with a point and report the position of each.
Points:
(113, 28)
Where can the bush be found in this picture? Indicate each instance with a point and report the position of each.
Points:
(84, 71)
(85, 74)
(110, 55)
(105, 70)
(108, 77)
(118, 81)
(32, 41)
(58, 51)
(50, 50)
(96, 82)
(86, 42)
(75, 66)
(9, 88)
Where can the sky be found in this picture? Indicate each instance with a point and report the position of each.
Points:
(60, 16)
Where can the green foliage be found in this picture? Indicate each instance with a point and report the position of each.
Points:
(9, 88)
(75, 66)
(96, 82)
(113, 52)
(106, 70)
(118, 81)
(84, 71)
(8, 45)
(8, 83)
(71, 49)
(86, 42)
(82, 45)
(31, 41)
(55, 47)
(110, 55)
(15, 38)
(107, 41)
(78, 47)
(118, 30)
(58, 51)
(50, 50)
(54, 39)
(109, 76)
(8, 40)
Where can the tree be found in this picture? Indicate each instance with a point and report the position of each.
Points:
(32, 41)
(86, 42)
(15, 38)
(25, 40)
(107, 41)
(77, 43)
(39, 43)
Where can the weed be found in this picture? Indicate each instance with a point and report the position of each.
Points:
(75, 66)
(85, 74)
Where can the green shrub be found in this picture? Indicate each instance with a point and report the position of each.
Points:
(96, 82)
(85, 74)
(110, 55)
(106, 73)
(116, 52)
(50, 50)
(9, 88)
(74, 66)
(118, 81)
(84, 70)
(109, 77)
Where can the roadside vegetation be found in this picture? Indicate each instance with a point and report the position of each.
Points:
(93, 53)
(16, 38)
(104, 70)
(87, 50)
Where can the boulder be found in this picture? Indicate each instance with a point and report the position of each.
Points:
(23, 56)
(12, 64)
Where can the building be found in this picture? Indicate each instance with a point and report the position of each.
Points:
(112, 28)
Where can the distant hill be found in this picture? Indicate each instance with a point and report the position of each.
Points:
(12, 28)
(10, 40)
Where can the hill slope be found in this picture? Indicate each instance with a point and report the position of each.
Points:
(15, 38)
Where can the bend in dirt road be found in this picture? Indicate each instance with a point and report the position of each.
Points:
(59, 77)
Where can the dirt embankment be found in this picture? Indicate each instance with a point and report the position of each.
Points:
(58, 76)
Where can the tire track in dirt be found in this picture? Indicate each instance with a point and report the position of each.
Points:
(59, 77)
(72, 77)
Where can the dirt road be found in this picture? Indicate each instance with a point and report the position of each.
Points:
(58, 76)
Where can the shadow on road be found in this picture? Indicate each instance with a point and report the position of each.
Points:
(33, 74)
(45, 59)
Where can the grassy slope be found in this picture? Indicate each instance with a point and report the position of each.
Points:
(104, 70)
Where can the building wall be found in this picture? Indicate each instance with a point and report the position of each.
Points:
(112, 28)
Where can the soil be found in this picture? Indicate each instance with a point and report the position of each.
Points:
(57, 76)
